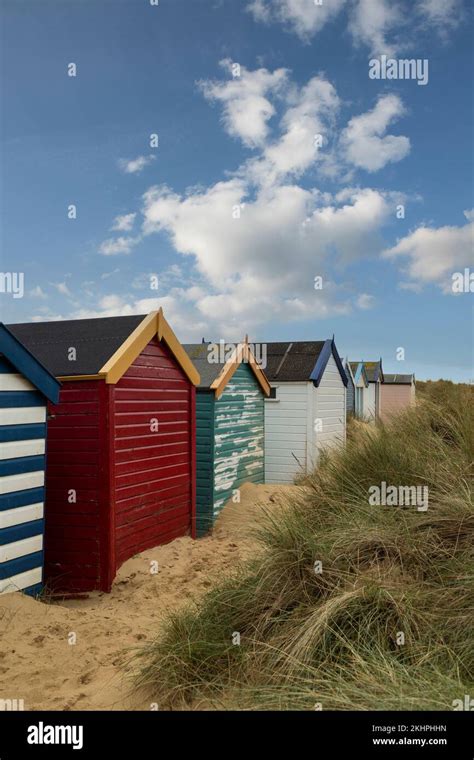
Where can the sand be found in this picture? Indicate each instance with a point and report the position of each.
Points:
(39, 665)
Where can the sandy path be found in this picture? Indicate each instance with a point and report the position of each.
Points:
(40, 666)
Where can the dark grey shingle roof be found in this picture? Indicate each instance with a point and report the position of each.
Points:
(290, 362)
(285, 361)
(200, 355)
(95, 341)
(398, 379)
(371, 370)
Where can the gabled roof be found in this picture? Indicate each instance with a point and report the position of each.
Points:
(399, 379)
(374, 371)
(28, 365)
(298, 361)
(354, 367)
(349, 373)
(105, 347)
(329, 349)
(217, 363)
(359, 372)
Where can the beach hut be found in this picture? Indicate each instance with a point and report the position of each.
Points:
(375, 378)
(397, 392)
(121, 467)
(26, 387)
(307, 407)
(229, 425)
(350, 390)
(361, 385)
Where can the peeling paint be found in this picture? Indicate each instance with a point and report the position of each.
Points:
(239, 421)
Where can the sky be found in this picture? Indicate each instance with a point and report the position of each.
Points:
(245, 165)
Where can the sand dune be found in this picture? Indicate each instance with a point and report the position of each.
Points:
(39, 664)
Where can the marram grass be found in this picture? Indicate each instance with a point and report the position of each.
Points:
(388, 622)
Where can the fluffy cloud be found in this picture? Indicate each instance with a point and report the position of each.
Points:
(116, 246)
(135, 165)
(246, 109)
(379, 25)
(256, 241)
(264, 263)
(370, 23)
(442, 14)
(364, 140)
(181, 316)
(365, 301)
(123, 223)
(62, 288)
(434, 253)
(309, 117)
(38, 292)
(303, 17)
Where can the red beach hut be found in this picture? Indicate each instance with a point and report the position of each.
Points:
(120, 475)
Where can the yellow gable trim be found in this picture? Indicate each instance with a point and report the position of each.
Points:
(165, 333)
(153, 324)
(132, 347)
(241, 353)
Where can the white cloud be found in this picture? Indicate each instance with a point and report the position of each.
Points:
(123, 223)
(309, 117)
(260, 9)
(434, 253)
(364, 140)
(174, 305)
(246, 110)
(370, 23)
(116, 246)
(62, 288)
(303, 17)
(135, 165)
(383, 26)
(38, 292)
(263, 265)
(365, 301)
(443, 15)
(106, 275)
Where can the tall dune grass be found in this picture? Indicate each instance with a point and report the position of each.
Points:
(386, 624)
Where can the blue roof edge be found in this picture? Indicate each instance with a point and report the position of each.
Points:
(29, 366)
(361, 369)
(323, 358)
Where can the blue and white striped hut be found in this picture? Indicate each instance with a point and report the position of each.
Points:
(25, 389)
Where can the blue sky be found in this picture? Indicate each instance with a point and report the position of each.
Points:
(240, 207)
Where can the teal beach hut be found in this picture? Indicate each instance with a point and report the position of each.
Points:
(230, 428)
